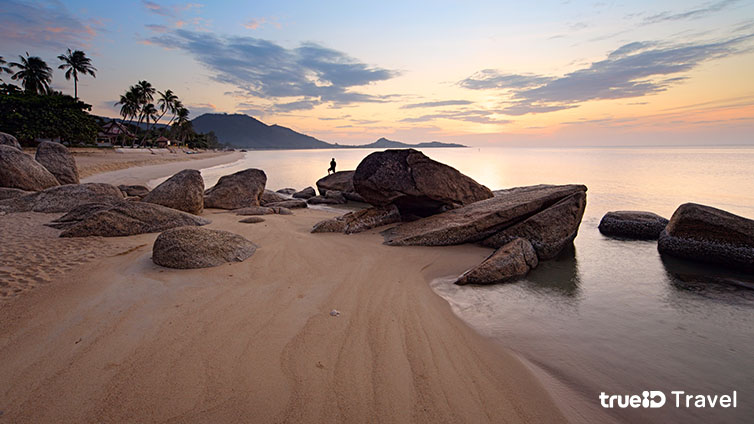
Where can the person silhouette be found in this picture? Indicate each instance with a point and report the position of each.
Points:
(332, 166)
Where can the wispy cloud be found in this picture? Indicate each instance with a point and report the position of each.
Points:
(169, 11)
(437, 104)
(633, 70)
(305, 76)
(696, 13)
(478, 116)
(44, 24)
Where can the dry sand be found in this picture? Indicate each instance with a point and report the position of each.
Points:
(107, 336)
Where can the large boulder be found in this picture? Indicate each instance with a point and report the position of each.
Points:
(416, 184)
(358, 221)
(269, 196)
(637, 225)
(706, 234)
(8, 140)
(19, 170)
(195, 247)
(341, 181)
(59, 161)
(509, 262)
(134, 190)
(183, 191)
(484, 219)
(306, 193)
(122, 218)
(62, 198)
(238, 190)
(549, 230)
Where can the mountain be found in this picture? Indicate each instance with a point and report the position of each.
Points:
(246, 132)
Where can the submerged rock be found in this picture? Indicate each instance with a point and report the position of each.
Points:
(238, 190)
(59, 161)
(637, 225)
(122, 218)
(416, 184)
(706, 234)
(183, 191)
(195, 247)
(62, 198)
(8, 140)
(305, 193)
(509, 262)
(134, 190)
(19, 170)
(358, 221)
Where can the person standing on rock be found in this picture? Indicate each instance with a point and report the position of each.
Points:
(332, 166)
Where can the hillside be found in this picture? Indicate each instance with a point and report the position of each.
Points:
(384, 143)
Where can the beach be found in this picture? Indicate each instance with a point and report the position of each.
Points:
(96, 332)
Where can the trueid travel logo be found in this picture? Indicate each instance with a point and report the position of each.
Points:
(658, 399)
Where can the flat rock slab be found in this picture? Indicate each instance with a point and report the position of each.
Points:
(637, 225)
(290, 204)
(480, 220)
(508, 263)
(358, 221)
(706, 234)
(195, 247)
(122, 218)
(62, 198)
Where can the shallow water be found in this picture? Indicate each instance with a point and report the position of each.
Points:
(610, 315)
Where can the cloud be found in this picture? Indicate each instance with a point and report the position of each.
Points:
(473, 115)
(157, 28)
(170, 11)
(44, 24)
(689, 14)
(262, 68)
(437, 104)
(254, 23)
(632, 70)
(198, 109)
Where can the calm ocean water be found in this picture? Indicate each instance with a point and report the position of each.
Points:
(612, 315)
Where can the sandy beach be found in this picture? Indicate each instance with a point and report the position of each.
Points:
(96, 332)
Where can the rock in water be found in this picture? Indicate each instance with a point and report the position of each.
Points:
(480, 220)
(305, 193)
(183, 191)
(509, 262)
(238, 190)
(59, 161)
(707, 234)
(636, 225)
(194, 247)
(290, 204)
(550, 230)
(63, 198)
(19, 170)
(9, 140)
(416, 184)
(358, 221)
(269, 196)
(134, 190)
(122, 219)
(341, 181)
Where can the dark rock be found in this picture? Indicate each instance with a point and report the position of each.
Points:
(19, 170)
(183, 191)
(9, 140)
(290, 204)
(281, 211)
(288, 191)
(63, 198)
(509, 262)
(269, 196)
(194, 247)
(706, 234)
(305, 193)
(11, 193)
(252, 220)
(122, 219)
(323, 200)
(415, 183)
(134, 190)
(636, 225)
(254, 210)
(59, 161)
(341, 181)
(483, 219)
(238, 190)
(358, 221)
(550, 230)
(354, 197)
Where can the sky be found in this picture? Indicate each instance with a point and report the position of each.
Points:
(549, 73)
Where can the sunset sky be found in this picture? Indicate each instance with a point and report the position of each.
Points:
(485, 72)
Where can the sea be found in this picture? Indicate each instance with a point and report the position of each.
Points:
(608, 316)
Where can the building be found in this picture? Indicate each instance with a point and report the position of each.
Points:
(113, 133)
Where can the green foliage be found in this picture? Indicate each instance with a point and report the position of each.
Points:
(28, 116)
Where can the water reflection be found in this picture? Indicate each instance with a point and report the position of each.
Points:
(708, 281)
(556, 277)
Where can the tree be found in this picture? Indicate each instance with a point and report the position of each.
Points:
(166, 102)
(144, 92)
(4, 68)
(150, 113)
(34, 74)
(75, 62)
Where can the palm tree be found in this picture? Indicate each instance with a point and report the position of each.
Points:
(4, 68)
(34, 74)
(182, 124)
(144, 92)
(76, 62)
(149, 112)
(166, 102)
(129, 105)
